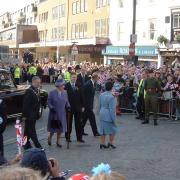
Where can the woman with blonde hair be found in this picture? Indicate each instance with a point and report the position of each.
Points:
(19, 173)
(104, 172)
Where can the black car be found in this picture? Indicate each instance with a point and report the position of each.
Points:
(12, 95)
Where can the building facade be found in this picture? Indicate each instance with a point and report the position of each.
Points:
(153, 18)
(61, 23)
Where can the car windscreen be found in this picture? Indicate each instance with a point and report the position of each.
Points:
(6, 81)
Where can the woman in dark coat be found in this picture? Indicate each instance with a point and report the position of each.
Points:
(57, 103)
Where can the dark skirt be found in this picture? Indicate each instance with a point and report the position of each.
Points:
(54, 124)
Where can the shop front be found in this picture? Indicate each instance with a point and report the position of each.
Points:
(119, 54)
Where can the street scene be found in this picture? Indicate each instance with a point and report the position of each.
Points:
(89, 89)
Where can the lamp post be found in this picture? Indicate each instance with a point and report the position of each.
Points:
(57, 52)
(133, 37)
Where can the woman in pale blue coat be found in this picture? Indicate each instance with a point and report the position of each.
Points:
(107, 116)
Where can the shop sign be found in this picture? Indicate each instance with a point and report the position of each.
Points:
(124, 51)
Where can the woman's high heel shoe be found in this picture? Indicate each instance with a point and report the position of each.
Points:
(111, 145)
(102, 146)
(58, 145)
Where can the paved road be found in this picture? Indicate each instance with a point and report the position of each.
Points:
(144, 152)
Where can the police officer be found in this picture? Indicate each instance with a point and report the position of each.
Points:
(17, 74)
(32, 71)
(140, 96)
(67, 74)
(152, 88)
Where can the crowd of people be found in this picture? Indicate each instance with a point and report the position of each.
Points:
(139, 88)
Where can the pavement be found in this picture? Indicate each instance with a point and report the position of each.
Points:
(144, 152)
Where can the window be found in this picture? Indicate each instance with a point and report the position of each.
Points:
(176, 20)
(77, 7)
(74, 8)
(81, 31)
(103, 2)
(85, 30)
(27, 21)
(98, 3)
(31, 20)
(120, 30)
(77, 30)
(102, 28)
(58, 11)
(85, 5)
(152, 29)
(97, 28)
(24, 9)
(120, 3)
(73, 29)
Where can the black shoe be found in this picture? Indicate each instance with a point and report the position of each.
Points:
(85, 134)
(145, 122)
(97, 134)
(138, 117)
(111, 145)
(102, 146)
(155, 123)
(58, 145)
(68, 140)
(80, 141)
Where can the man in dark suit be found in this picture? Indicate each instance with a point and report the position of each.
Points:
(30, 113)
(82, 77)
(89, 92)
(76, 100)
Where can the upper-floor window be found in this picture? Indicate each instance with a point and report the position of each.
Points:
(152, 29)
(120, 30)
(176, 20)
(121, 3)
(83, 6)
(78, 30)
(101, 3)
(102, 28)
(58, 11)
(79, 6)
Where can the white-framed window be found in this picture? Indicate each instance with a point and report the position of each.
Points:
(73, 30)
(85, 5)
(176, 20)
(77, 31)
(55, 12)
(74, 8)
(81, 30)
(103, 2)
(97, 28)
(85, 30)
(31, 20)
(103, 27)
(82, 6)
(121, 3)
(152, 29)
(77, 7)
(98, 3)
(120, 30)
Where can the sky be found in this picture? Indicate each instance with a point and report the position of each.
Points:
(12, 5)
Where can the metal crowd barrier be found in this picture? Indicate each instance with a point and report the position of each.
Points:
(166, 106)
